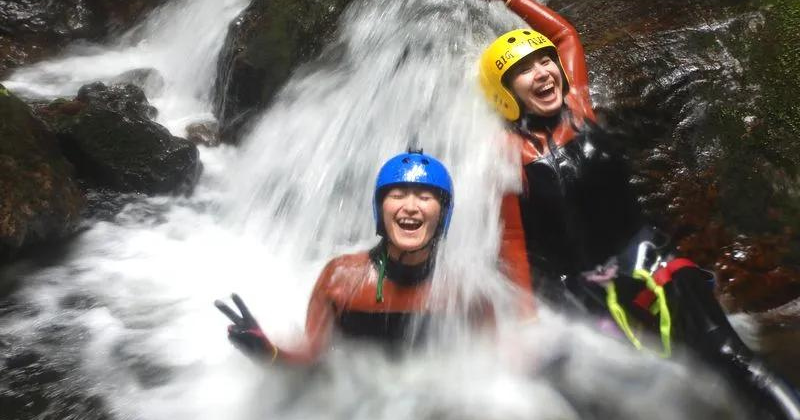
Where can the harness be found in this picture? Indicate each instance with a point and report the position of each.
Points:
(652, 298)
(658, 308)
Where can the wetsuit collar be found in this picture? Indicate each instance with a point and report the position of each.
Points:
(530, 123)
(398, 273)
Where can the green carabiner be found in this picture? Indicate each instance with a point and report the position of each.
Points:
(381, 276)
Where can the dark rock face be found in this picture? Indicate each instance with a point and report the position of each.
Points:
(265, 44)
(203, 133)
(31, 30)
(705, 92)
(145, 78)
(121, 98)
(105, 132)
(39, 201)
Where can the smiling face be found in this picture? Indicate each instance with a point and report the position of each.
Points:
(538, 84)
(411, 217)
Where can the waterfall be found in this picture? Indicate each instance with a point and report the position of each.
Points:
(128, 304)
(182, 60)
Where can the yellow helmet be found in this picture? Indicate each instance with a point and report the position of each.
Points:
(500, 56)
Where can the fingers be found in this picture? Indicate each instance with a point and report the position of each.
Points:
(227, 311)
(246, 315)
(250, 346)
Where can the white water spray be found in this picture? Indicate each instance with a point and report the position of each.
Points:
(265, 218)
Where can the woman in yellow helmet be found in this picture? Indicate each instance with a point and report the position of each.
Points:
(578, 223)
(537, 80)
(577, 210)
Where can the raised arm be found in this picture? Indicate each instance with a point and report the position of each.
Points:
(564, 36)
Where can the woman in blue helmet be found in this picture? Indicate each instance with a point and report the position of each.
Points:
(383, 293)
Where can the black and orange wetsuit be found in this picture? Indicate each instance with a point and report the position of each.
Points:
(536, 221)
(534, 225)
(345, 302)
(578, 211)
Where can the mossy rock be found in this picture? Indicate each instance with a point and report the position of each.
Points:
(706, 93)
(265, 45)
(32, 30)
(40, 201)
(106, 134)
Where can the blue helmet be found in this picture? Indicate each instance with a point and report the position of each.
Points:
(414, 168)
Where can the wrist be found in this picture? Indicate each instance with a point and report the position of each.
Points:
(274, 353)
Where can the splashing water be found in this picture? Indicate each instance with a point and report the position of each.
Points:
(131, 299)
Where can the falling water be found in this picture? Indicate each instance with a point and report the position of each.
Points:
(179, 59)
(127, 308)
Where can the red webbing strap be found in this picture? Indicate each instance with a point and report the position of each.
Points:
(662, 276)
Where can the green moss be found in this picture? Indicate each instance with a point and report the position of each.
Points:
(282, 41)
(759, 127)
(39, 198)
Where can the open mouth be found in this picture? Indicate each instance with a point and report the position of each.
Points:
(546, 92)
(409, 224)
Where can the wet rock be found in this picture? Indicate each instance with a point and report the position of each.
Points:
(120, 98)
(105, 204)
(149, 80)
(31, 30)
(117, 16)
(265, 44)
(39, 200)
(203, 133)
(700, 88)
(106, 134)
(617, 22)
(752, 275)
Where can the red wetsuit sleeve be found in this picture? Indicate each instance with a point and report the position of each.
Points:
(566, 39)
(319, 324)
(513, 253)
